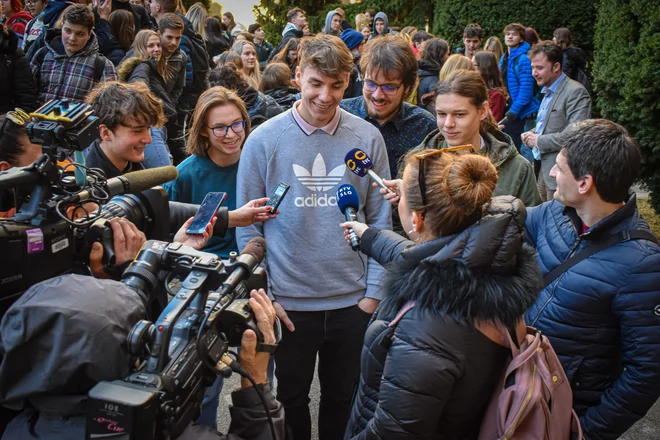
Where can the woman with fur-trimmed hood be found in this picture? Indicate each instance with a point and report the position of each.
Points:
(467, 270)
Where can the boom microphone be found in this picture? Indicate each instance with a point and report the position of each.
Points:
(360, 163)
(348, 203)
(131, 183)
(510, 116)
(252, 255)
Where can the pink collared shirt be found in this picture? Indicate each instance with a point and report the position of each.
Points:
(330, 128)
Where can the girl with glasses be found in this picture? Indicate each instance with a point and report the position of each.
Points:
(465, 280)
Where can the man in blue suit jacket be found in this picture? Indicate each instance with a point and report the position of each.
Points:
(565, 101)
(602, 315)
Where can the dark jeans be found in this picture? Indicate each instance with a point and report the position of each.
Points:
(337, 337)
(514, 129)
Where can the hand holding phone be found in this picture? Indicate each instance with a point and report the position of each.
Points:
(206, 212)
(277, 196)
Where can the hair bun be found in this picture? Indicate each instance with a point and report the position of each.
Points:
(470, 182)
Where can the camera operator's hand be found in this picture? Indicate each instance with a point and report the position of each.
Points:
(394, 196)
(194, 241)
(256, 363)
(127, 240)
(253, 211)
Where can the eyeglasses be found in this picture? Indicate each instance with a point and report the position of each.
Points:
(222, 130)
(18, 117)
(422, 156)
(387, 89)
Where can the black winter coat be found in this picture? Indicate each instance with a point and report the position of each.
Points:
(285, 97)
(147, 72)
(433, 375)
(17, 87)
(260, 107)
(428, 74)
(573, 59)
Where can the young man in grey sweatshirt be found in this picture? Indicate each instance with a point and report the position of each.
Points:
(324, 294)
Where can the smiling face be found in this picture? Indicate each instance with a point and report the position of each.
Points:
(249, 57)
(380, 106)
(321, 94)
(126, 142)
(153, 47)
(366, 31)
(74, 37)
(458, 119)
(543, 71)
(224, 149)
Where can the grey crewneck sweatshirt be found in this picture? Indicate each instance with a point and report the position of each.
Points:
(310, 266)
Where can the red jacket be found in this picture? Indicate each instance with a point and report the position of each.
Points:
(497, 104)
(18, 22)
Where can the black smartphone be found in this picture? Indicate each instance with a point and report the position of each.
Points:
(205, 213)
(277, 196)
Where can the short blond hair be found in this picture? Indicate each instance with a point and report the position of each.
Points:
(455, 62)
(198, 144)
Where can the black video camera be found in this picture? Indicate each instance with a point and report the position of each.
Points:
(40, 241)
(180, 354)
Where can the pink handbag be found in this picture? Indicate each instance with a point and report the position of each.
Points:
(533, 400)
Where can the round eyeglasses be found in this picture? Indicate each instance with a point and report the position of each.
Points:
(222, 130)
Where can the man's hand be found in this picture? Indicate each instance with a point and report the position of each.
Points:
(126, 240)
(104, 9)
(252, 212)
(368, 305)
(394, 196)
(357, 227)
(284, 318)
(529, 138)
(195, 241)
(256, 363)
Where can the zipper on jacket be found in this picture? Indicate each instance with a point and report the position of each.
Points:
(554, 286)
(511, 430)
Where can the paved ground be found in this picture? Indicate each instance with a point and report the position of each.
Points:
(646, 429)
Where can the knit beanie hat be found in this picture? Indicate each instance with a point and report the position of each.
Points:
(352, 38)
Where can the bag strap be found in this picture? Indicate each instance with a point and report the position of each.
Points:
(406, 307)
(99, 67)
(610, 241)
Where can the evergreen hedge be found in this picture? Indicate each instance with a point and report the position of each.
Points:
(627, 76)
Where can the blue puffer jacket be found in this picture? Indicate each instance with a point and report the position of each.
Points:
(520, 82)
(602, 315)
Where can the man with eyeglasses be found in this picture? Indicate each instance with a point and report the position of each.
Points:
(389, 69)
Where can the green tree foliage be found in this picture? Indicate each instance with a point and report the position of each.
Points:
(272, 13)
(627, 76)
(544, 16)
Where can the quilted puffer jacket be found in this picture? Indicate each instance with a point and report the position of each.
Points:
(602, 316)
(432, 377)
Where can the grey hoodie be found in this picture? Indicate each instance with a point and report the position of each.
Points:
(328, 20)
(383, 17)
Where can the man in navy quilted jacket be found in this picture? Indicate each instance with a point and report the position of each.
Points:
(602, 314)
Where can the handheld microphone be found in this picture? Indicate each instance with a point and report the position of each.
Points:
(131, 183)
(252, 255)
(360, 163)
(348, 203)
(510, 116)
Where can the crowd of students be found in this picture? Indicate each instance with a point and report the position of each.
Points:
(239, 115)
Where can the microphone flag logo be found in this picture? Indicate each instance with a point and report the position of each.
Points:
(358, 162)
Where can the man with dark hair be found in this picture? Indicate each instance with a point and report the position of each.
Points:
(263, 47)
(565, 101)
(419, 40)
(600, 304)
(389, 69)
(126, 112)
(325, 312)
(69, 65)
(296, 22)
(472, 38)
(517, 76)
(371, 14)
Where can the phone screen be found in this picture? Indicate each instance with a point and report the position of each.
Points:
(205, 213)
(277, 196)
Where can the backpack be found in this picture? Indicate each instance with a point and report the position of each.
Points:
(199, 58)
(533, 400)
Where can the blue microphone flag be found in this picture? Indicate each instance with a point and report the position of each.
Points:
(358, 162)
(347, 196)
